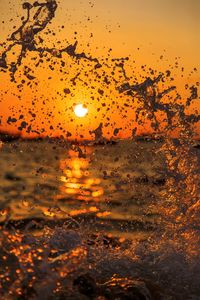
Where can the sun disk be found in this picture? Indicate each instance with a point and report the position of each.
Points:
(80, 110)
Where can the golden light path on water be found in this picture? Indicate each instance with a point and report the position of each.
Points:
(78, 182)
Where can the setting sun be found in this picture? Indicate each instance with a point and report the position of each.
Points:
(80, 110)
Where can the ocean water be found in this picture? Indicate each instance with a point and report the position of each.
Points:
(112, 185)
(97, 221)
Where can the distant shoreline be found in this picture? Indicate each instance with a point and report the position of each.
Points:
(7, 138)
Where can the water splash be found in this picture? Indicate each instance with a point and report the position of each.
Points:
(69, 260)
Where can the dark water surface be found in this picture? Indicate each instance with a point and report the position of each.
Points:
(113, 186)
(99, 221)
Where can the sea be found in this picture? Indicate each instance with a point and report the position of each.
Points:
(99, 221)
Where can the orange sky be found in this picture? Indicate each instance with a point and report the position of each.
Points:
(141, 29)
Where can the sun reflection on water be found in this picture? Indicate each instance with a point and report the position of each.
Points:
(77, 180)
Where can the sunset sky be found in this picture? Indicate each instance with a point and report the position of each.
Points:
(159, 34)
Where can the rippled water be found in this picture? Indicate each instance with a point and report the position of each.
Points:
(101, 182)
(107, 213)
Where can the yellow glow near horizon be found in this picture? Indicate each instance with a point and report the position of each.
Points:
(80, 110)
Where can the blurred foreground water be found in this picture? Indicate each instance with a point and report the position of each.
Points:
(99, 221)
(111, 186)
